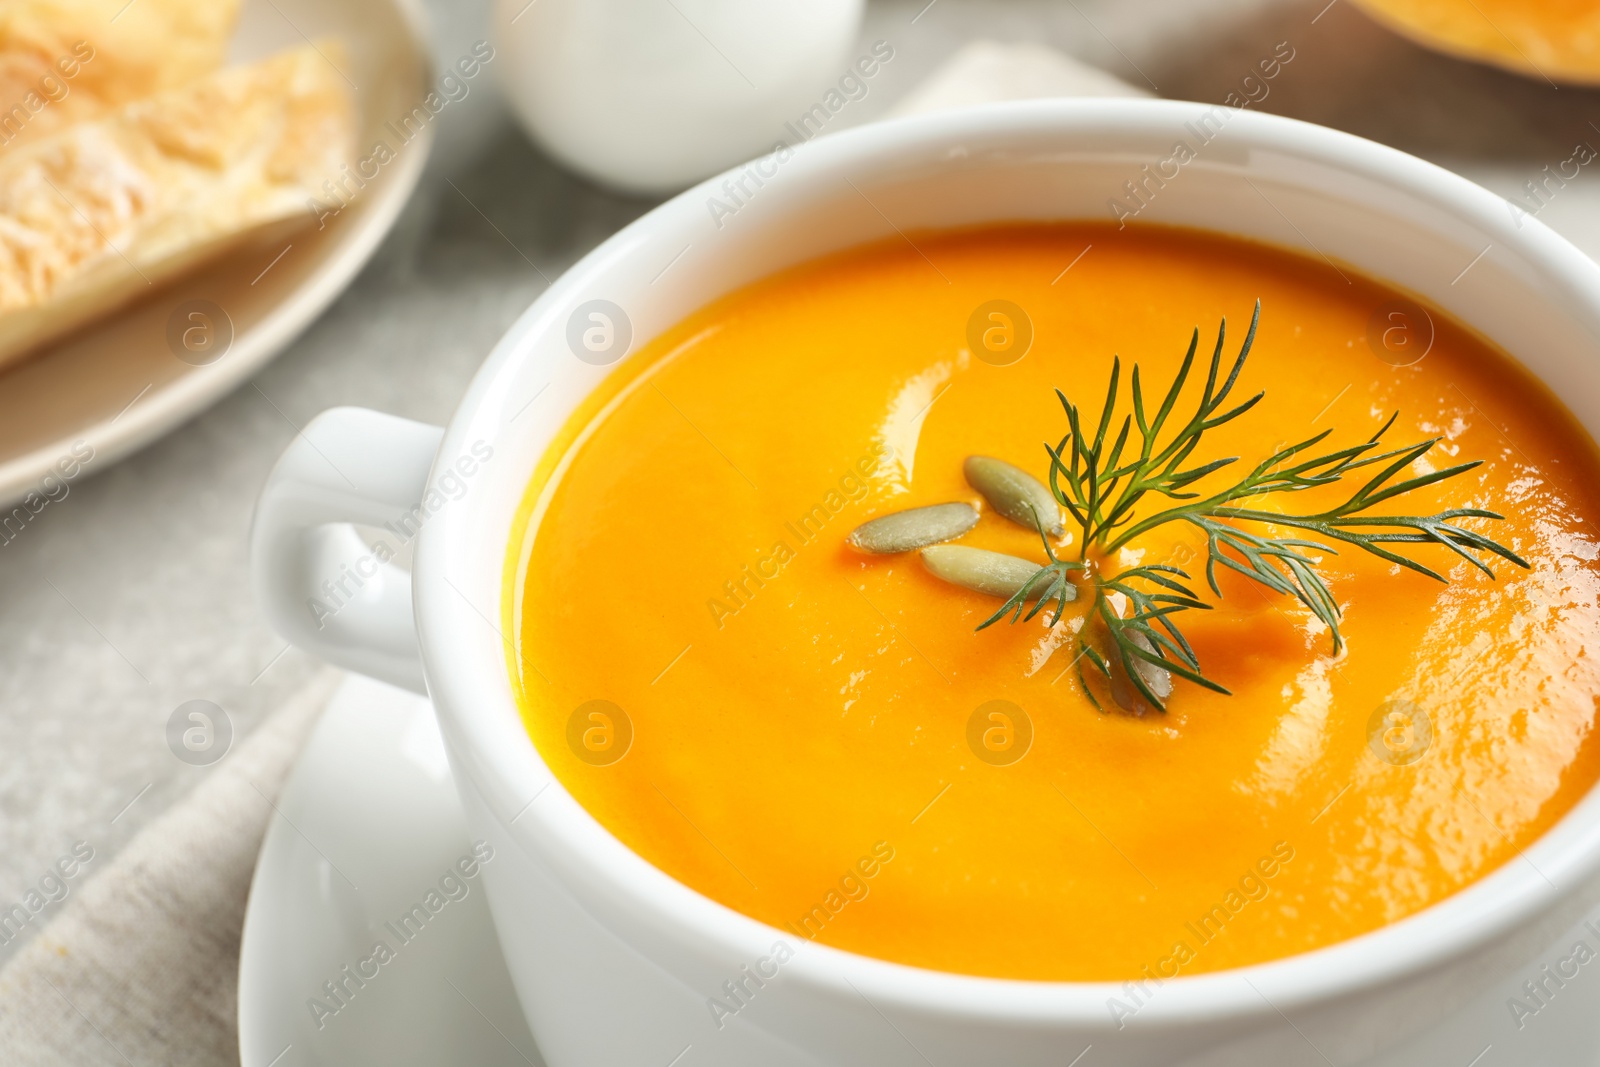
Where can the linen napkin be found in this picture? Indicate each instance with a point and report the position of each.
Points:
(141, 964)
(986, 72)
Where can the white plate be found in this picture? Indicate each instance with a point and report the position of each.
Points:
(117, 385)
(368, 822)
(371, 804)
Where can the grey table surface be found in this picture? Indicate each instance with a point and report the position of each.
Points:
(131, 596)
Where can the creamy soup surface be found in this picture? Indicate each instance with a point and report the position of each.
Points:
(796, 718)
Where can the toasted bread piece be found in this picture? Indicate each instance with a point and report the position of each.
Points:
(69, 61)
(1550, 40)
(102, 212)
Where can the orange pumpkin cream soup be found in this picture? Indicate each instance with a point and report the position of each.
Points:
(830, 606)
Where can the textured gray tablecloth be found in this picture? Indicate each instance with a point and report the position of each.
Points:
(131, 596)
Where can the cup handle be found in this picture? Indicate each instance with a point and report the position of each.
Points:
(320, 584)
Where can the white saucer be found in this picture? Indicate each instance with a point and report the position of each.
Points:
(371, 805)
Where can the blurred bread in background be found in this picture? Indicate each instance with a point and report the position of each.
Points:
(101, 212)
(67, 61)
(1554, 40)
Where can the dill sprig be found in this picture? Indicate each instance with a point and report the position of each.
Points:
(1101, 479)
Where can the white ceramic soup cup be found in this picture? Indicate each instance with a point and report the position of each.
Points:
(614, 961)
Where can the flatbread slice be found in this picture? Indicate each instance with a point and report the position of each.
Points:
(69, 61)
(103, 212)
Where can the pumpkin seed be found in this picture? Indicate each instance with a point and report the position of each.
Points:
(903, 531)
(982, 571)
(1014, 493)
(1125, 693)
